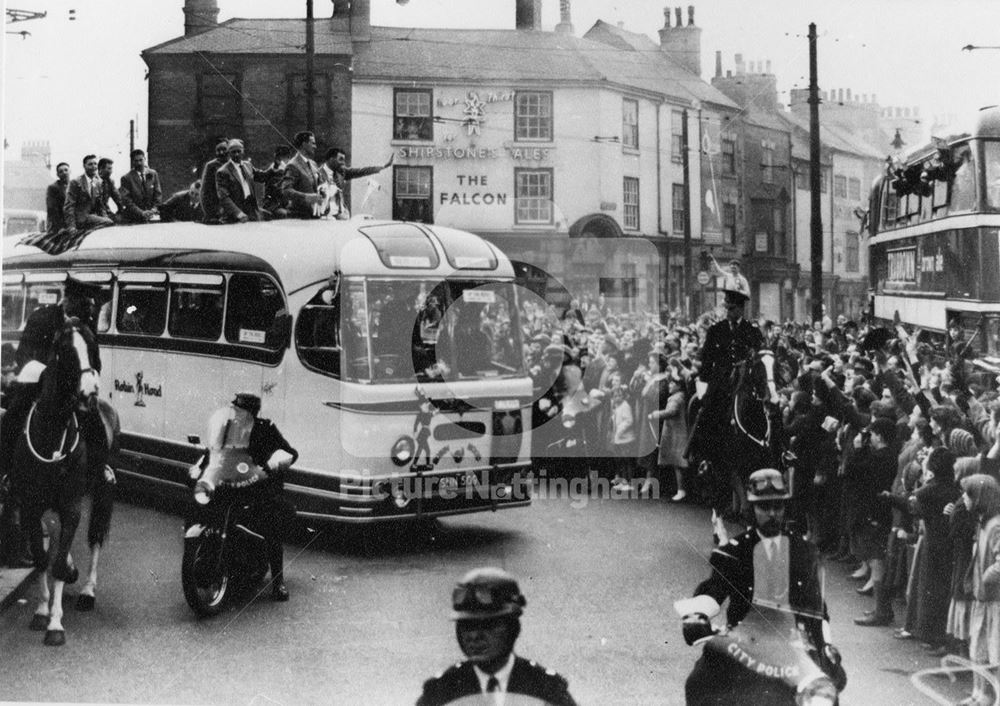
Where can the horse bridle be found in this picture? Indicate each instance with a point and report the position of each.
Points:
(769, 370)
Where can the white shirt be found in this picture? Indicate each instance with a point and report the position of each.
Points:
(502, 675)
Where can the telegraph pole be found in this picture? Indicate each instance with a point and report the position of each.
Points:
(687, 215)
(310, 56)
(816, 221)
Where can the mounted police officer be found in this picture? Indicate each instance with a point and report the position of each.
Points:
(82, 301)
(766, 567)
(487, 607)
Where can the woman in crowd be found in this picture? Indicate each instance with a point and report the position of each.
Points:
(673, 433)
(981, 495)
(652, 398)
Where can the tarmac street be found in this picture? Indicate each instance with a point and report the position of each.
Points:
(369, 616)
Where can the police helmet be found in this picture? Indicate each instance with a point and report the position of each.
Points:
(248, 401)
(767, 484)
(485, 593)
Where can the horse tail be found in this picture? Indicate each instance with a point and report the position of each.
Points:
(102, 505)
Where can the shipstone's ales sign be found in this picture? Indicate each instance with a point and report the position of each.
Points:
(474, 153)
(478, 197)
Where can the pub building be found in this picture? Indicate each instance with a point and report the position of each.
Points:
(566, 152)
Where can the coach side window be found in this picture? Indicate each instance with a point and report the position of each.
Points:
(317, 331)
(12, 306)
(142, 303)
(196, 306)
(252, 308)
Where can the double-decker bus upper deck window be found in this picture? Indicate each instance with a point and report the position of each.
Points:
(12, 306)
(254, 302)
(991, 156)
(196, 306)
(963, 185)
(142, 303)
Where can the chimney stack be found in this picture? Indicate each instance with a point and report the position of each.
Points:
(528, 15)
(680, 43)
(200, 16)
(718, 64)
(565, 25)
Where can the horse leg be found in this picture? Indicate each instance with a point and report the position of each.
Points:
(40, 620)
(86, 600)
(54, 634)
(102, 503)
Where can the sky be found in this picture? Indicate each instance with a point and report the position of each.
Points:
(77, 83)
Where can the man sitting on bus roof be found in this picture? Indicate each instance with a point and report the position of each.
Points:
(141, 189)
(83, 207)
(55, 198)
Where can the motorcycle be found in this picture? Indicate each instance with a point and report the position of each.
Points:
(767, 659)
(225, 547)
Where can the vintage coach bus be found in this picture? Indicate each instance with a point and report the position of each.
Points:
(388, 353)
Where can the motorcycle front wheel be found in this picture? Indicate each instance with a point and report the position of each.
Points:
(205, 585)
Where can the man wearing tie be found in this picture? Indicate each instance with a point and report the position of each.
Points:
(234, 185)
(767, 566)
(140, 188)
(300, 183)
(83, 207)
(487, 607)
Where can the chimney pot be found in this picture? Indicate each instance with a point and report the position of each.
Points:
(200, 16)
(690, 15)
(565, 25)
(678, 17)
(840, 95)
(848, 95)
(528, 14)
(666, 18)
(718, 64)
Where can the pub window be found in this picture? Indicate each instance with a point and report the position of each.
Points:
(533, 196)
(729, 223)
(297, 106)
(854, 189)
(412, 116)
(767, 163)
(219, 103)
(677, 137)
(839, 186)
(851, 251)
(678, 206)
(142, 303)
(196, 302)
(411, 194)
(728, 156)
(778, 219)
(533, 115)
(254, 302)
(630, 123)
(630, 203)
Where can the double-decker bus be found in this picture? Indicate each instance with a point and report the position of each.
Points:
(934, 226)
(388, 353)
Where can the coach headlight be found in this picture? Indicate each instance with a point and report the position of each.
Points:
(402, 451)
(399, 498)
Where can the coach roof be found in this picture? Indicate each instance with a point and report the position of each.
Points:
(300, 251)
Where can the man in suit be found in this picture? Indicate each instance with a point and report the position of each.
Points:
(141, 189)
(769, 567)
(83, 207)
(105, 165)
(55, 199)
(337, 173)
(208, 196)
(234, 185)
(301, 181)
(274, 200)
(487, 607)
(183, 205)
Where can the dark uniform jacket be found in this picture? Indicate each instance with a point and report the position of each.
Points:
(142, 192)
(526, 678)
(55, 199)
(726, 345)
(733, 578)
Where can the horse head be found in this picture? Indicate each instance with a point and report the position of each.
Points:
(70, 365)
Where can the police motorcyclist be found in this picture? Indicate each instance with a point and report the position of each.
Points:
(766, 566)
(487, 607)
(237, 426)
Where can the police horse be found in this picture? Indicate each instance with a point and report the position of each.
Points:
(748, 437)
(49, 467)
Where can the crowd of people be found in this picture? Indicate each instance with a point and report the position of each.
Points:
(292, 185)
(896, 443)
